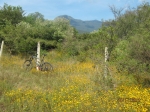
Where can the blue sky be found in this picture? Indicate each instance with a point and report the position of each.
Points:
(78, 9)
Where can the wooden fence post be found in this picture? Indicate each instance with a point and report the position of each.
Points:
(38, 55)
(106, 57)
(1, 50)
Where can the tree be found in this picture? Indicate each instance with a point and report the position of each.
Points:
(11, 13)
(117, 12)
(32, 17)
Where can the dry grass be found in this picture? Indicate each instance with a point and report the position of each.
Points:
(72, 87)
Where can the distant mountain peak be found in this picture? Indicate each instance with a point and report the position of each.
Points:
(65, 16)
(83, 26)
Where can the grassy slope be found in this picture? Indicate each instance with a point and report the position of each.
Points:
(72, 87)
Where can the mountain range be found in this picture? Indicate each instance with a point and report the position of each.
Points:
(83, 26)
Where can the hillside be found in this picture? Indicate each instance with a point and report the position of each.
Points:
(83, 26)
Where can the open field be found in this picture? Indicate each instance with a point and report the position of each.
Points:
(72, 87)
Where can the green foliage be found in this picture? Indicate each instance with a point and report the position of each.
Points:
(121, 51)
(22, 34)
(11, 13)
(140, 48)
(32, 17)
(132, 51)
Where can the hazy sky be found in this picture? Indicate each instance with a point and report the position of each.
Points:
(78, 9)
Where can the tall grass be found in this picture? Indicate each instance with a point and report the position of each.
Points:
(72, 87)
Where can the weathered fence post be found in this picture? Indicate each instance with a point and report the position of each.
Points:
(1, 50)
(38, 55)
(106, 57)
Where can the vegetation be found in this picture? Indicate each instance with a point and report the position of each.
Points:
(22, 36)
(73, 86)
(77, 82)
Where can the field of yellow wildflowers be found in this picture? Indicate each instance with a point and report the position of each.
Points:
(72, 87)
